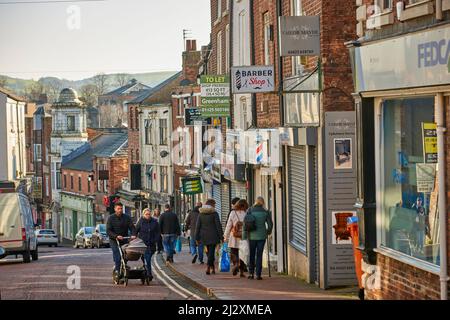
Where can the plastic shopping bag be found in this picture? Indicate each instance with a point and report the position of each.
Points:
(178, 244)
(244, 251)
(224, 261)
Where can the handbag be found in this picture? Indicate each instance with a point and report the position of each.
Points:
(178, 245)
(224, 260)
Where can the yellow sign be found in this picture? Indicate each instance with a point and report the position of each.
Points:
(429, 131)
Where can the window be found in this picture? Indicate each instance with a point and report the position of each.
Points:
(219, 52)
(58, 175)
(79, 183)
(243, 27)
(148, 131)
(179, 106)
(163, 131)
(70, 123)
(408, 179)
(130, 117)
(164, 179)
(149, 177)
(267, 35)
(47, 194)
(38, 152)
(302, 109)
(71, 182)
(89, 185)
(65, 181)
(219, 9)
(227, 4)
(227, 48)
(382, 5)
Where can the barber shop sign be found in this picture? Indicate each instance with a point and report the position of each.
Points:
(253, 79)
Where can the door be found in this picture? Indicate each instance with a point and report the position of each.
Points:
(74, 224)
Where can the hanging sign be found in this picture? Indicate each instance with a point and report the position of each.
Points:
(299, 36)
(192, 185)
(253, 79)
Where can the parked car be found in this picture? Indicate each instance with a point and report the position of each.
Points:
(16, 223)
(2, 252)
(84, 238)
(47, 236)
(100, 237)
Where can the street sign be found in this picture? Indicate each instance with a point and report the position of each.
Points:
(215, 95)
(253, 79)
(192, 185)
(193, 117)
(299, 36)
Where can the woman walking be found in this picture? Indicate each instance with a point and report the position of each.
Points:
(209, 232)
(257, 237)
(156, 215)
(233, 235)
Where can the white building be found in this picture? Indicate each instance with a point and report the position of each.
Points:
(12, 136)
(68, 134)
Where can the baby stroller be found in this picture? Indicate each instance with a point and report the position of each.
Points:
(133, 251)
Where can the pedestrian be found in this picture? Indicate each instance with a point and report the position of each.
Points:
(208, 231)
(170, 231)
(191, 223)
(118, 226)
(234, 201)
(147, 229)
(233, 235)
(257, 237)
(156, 215)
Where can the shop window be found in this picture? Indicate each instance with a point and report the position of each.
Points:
(302, 109)
(409, 178)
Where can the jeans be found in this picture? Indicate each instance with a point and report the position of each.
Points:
(169, 241)
(116, 253)
(148, 260)
(211, 254)
(256, 250)
(196, 249)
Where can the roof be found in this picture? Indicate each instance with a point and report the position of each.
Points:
(148, 93)
(124, 88)
(12, 95)
(44, 109)
(106, 145)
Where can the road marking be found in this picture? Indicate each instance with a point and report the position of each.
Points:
(174, 283)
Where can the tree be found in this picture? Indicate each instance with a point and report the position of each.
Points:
(121, 79)
(3, 81)
(88, 94)
(100, 81)
(34, 90)
(53, 88)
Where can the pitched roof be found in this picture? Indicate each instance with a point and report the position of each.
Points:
(106, 145)
(124, 88)
(12, 95)
(148, 93)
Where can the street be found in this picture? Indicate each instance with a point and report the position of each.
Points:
(47, 278)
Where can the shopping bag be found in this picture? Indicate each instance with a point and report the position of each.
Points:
(224, 261)
(244, 251)
(178, 244)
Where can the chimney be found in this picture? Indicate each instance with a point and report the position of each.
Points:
(191, 59)
(191, 45)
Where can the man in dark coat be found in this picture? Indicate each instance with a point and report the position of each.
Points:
(209, 231)
(191, 223)
(117, 227)
(170, 231)
(148, 230)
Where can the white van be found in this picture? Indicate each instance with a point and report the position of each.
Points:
(16, 225)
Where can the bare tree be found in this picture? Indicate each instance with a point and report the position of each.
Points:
(100, 81)
(53, 88)
(88, 94)
(34, 90)
(121, 79)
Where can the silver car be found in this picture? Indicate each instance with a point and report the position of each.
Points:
(100, 237)
(84, 238)
(47, 237)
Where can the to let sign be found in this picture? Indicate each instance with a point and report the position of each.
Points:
(253, 79)
(192, 185)
(215, 96)
(299, 36)
(430, 142)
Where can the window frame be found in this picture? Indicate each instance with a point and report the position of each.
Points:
(163, 132)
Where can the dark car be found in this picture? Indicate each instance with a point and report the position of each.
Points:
(100, 237)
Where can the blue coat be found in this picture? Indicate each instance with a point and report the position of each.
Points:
(148, 231)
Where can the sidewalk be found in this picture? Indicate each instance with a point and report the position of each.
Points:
(225, 286)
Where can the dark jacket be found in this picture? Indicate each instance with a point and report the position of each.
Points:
(119, 226)
(264, 224)
(148, 230)
(169, 224)
(191, 220)
(208, 229)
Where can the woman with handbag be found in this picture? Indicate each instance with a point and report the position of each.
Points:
(233, 235)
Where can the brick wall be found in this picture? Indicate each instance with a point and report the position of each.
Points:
(118, 171)
(66, 185)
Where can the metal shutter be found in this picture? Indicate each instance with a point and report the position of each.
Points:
(225, 189)
(316, 215)
(239, 190)
(217, 197)
(297, 197)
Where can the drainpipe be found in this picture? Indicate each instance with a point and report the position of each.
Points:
(438, 10)
(442, 194)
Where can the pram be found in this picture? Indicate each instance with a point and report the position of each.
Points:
(132, 251)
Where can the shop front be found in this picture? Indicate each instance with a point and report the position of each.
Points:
(76, 213)
(402, 87)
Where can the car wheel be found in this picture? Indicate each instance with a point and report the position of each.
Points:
(26, 256)
(84, 245)
(49, 245)
(34, 254)
(55, 245)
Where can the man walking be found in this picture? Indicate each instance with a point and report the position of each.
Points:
(118, 226)
(170, 230)
(191, 223)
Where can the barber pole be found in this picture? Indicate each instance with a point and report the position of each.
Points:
(259, 149)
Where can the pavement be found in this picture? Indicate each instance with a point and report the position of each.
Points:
(225, 286)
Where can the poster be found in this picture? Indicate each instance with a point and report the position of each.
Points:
(215, 96)
(425, 174)
(429, 136)
(340, 234)
(343, 153)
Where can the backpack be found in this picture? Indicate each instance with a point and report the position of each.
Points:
(236, 231)
(250, 221)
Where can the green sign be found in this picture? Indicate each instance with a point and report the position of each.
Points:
(192, 185)
(215, 95)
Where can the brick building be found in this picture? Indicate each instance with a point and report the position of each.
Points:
(401, 87)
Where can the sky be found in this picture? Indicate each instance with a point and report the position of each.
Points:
(77, 39)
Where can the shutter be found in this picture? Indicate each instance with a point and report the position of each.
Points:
(238, 190)
(217, 197)
(316, 215)
(297, 197)
(225, 190)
